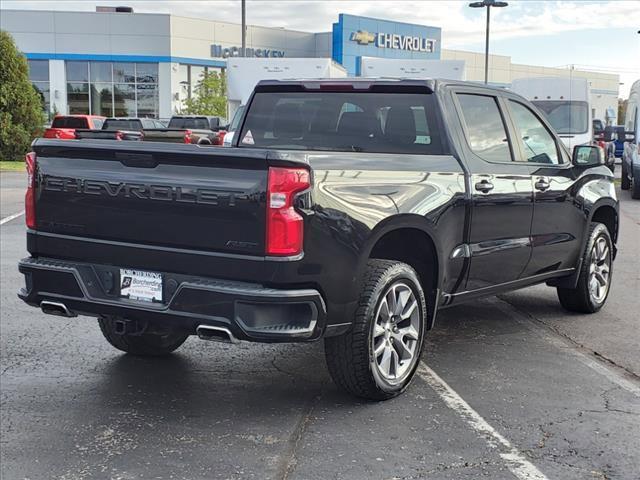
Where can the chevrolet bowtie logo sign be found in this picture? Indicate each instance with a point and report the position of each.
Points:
(363, 37)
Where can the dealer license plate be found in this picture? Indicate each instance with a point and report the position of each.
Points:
(141, 285)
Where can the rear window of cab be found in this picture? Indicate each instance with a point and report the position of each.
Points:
(343, 121)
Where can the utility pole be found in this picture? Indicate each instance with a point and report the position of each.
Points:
(244, 28)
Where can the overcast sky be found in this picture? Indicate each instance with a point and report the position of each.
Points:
(593, 35)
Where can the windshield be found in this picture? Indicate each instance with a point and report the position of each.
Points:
(122, 125)
(189, 122)
(69, 122)
(236, 119)
(350, 122)
(564, 116)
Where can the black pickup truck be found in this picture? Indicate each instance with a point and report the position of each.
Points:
(120, 128)
(350, 210)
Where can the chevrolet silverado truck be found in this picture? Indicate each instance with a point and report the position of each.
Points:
(200, 130)
(351, 211)
(120, 128)
(65, 126)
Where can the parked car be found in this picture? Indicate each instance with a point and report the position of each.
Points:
(121, 128)
(64, 126)
(197, 129)
(631, 154)
(350, 210)
(598, 127)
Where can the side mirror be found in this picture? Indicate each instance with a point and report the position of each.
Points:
(587, 156)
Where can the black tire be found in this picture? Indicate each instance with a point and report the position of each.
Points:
(146, 344)
(581, 299)
(625, 183)
(350, 357)
(635, 193)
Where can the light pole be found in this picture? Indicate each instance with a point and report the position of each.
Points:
(488, 4)
(244, 29)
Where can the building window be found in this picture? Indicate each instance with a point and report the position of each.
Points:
(117, 89)
(39, 77)
(190, 75)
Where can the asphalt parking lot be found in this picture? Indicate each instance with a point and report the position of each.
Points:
(511, 387)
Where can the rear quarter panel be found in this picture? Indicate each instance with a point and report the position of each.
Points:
(359, 197)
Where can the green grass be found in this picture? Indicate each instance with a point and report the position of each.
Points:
(6, 166)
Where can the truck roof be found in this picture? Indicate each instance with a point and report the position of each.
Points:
(195, 116)
(366, 83)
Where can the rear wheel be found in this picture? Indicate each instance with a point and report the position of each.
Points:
(143, 344)
(378, 358)
(594, 281)
(625, 184)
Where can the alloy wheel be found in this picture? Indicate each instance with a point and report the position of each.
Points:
(600, 270)
(396, 334)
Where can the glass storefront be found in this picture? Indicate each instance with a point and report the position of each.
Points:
(39, 76)
(117, 89)
(189, 76)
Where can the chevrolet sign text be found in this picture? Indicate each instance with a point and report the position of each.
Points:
(395, 41)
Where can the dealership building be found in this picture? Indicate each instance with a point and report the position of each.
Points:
(140, 64)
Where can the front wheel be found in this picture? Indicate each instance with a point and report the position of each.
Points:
(625, 184)
(142, 344)
(378, 358)
(594, 281)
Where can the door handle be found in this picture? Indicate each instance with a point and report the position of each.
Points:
(542, 184)
(485, 186)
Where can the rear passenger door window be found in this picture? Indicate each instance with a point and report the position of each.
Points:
(484, 127)
(536, 142)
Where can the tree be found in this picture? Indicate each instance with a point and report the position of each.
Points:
(622, 110)
(210, 96)
(21, 116)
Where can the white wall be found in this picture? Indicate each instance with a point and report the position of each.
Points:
(165, 85)
(192, 38)
(88, 32)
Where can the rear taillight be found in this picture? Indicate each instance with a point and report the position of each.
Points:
(30, 196)
(187, 136)
(284, 224)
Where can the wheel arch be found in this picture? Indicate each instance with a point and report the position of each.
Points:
(606, 212)
(410, 239)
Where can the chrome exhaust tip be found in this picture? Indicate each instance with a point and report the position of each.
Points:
(56, 308)
(215, 334)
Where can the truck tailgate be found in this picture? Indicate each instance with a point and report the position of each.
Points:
(179, 196)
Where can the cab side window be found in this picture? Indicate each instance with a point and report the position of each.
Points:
(484, 126)
(536, 141)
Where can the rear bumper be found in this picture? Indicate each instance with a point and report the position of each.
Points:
(250, 311)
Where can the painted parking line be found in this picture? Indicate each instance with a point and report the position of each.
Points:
(11, 217)
(611, 374)
(515, 460)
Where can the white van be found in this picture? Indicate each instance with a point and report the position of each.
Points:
(631, 152)
(565, 103)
